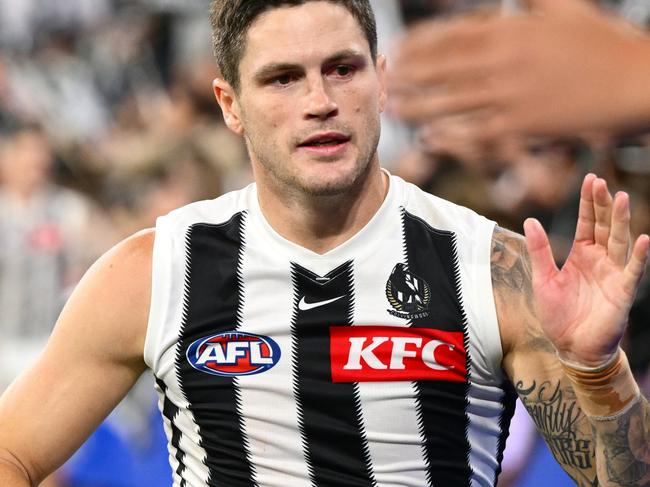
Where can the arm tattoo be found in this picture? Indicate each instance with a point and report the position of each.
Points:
(512, 280)
(510, 263)
(558, 417)
(626, 448)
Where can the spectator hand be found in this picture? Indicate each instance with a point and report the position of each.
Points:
(583, 307)
(564, 67)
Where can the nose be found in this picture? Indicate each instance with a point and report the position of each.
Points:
(319, 102)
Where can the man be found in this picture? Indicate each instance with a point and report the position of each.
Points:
(332, 325)
(564, 68)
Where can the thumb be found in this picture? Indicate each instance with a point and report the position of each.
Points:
(539, 249)
(552, 6)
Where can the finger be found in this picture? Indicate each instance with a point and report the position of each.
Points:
(541, 5)
(635, 267)
(618, 245)
(586, 214)
(441, 38)
(432, 70)
(539, 249)
(555, 6)
(427, 104)
(457, 138)
(603, 211)
(486, 125)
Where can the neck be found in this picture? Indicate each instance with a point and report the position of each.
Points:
(321, 223)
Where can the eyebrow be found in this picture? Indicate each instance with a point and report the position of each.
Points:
(272, 69)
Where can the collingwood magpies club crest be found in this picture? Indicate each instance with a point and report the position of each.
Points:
(408, 294)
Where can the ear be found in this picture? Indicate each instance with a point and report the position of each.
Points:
(381, 74)
(227, 99)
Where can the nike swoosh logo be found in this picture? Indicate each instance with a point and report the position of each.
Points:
(303, 305)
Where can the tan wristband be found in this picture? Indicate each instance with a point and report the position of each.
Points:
(604, 392)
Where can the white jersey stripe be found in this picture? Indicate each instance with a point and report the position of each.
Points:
(167, 294)
(389, 413)
(267, 401)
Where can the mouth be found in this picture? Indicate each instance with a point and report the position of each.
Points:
(325, 140)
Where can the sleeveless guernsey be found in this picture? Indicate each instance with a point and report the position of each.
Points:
(375, 364)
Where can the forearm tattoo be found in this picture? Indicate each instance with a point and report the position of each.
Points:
(626, 446)
(557, 416)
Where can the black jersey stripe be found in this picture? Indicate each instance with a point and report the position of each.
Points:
(170, 411)
(212, 305)
(329, 413)
(441, 406)
(295, 361)
(508, 402)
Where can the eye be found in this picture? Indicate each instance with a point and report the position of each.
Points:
(282, 80)
(285, 79)
(343, 70)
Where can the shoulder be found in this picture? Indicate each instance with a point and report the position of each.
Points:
(111, 302)
(130, 258)
(125, 270)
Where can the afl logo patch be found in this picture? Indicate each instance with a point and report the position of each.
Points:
(233, 353)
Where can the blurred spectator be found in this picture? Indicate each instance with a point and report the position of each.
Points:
(57, 89)
(121, 94)
(43, 247)
(140, 193)
(21, 23)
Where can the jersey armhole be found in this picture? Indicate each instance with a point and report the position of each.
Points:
(160, 289)
(488, 330)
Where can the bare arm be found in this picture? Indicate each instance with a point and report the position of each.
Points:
(530, 361)
(92, 359)
(593, 451)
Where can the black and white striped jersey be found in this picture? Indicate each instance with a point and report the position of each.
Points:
(377, 363)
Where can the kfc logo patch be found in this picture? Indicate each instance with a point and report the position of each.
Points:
(387, 353)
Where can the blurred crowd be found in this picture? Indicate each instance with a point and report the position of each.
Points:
(107, 120)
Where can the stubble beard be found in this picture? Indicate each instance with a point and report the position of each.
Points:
(292, 184)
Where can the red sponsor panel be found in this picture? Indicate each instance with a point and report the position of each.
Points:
(388, 353)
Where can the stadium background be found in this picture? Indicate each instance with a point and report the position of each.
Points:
(107, 120)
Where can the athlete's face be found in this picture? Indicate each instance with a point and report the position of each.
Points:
(309, 99)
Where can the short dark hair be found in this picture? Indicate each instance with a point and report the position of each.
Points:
(231, 19)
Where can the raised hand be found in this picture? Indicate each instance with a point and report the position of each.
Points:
(564, 68)
(583, 307)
